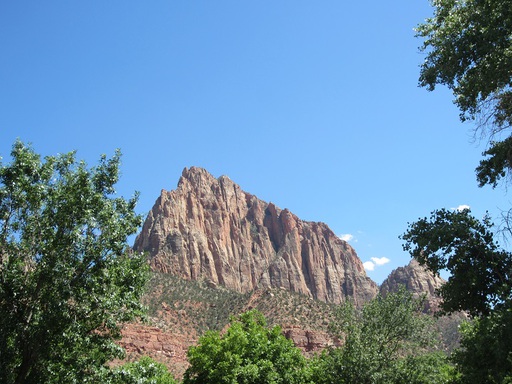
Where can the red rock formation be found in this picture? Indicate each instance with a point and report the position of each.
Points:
(416, 279)
(145, 339)
(210, 229)
(308, 341)
(166, 347)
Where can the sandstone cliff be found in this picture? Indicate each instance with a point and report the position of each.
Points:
(209, 229)
(416, 279)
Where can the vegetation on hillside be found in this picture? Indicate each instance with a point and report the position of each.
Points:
(194, 305)
(199, 306)
(389, 340)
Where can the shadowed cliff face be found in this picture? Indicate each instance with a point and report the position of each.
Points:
(210, 229)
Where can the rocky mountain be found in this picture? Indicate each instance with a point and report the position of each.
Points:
(416, 279)
(209, 229)
(217, 251)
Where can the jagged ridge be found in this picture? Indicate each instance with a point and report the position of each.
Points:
(416, 279)
(210, 229)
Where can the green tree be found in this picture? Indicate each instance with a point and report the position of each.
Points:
(248, 352)
(485, 355)
(468, 46)
(480, 283)
(388, 341)
(67, 281)
(480, 271)
(469, 49)
(144, 371)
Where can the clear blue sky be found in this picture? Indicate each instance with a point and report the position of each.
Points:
(312, 105)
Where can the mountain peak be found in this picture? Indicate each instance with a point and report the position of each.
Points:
(416, 279)
(210, 229)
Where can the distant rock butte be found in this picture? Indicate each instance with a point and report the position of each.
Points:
(210, 229)
(416, 279)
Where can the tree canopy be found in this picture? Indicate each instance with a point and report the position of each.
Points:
(480, 284)
(480, 271)
(468, 46)
(248, 352)
(67, 281)
(144, 371)
(389, 340)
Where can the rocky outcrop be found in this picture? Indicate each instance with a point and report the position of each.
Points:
(309, 342)
(169, 348)
(144, 339)
(210, 229)
(416, 279)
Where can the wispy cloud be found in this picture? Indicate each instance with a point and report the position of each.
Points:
(375, 262)
(346, 237)
(461, 207)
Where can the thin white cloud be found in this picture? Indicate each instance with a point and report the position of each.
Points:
(376, 262)
(369, 266)
(346, 237)
(380, 261)
(461, 207)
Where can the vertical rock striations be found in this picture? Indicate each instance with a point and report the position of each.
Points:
(210, 229)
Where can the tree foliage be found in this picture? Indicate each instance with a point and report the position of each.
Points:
(248, 352)
(66, 278)
(468, 44)
(388, 341)
(144, 371)
(479, 283)
(469, 49)
(480, 271)
(485, 355)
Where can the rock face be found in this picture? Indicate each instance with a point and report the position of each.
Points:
(165, 347)
(416, 279)
(210, 229)
(308, 341)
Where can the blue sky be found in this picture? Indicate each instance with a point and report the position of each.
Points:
(311, 105)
